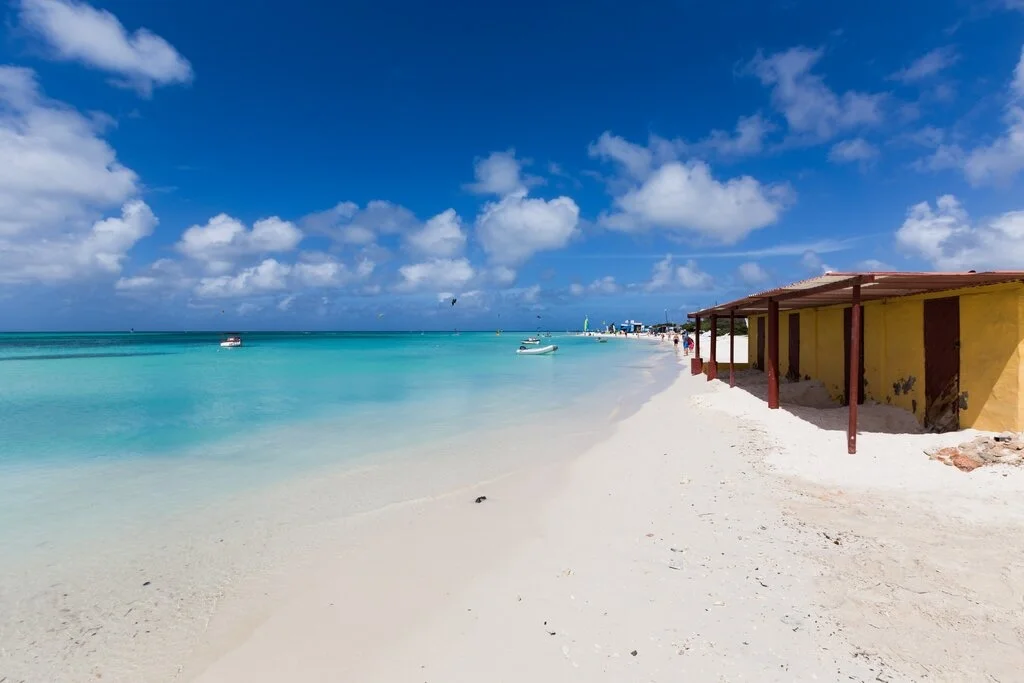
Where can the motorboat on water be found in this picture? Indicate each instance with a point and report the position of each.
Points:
(530, 340)
(232, 342)
(538, 351)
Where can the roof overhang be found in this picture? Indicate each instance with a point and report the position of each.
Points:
(833, 289)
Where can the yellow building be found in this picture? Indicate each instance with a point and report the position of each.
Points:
(948, 347)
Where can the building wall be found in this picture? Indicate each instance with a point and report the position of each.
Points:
(990, 358)
(991, 353)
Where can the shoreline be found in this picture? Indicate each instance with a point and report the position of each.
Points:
(654, 557)
(562, 573)
(142, 606)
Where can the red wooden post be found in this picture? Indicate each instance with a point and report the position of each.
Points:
(696, 364)
(732, 348)
(713, 360)
(773, 353)
(854, 397)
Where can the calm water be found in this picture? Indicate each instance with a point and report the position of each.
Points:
(137, 395)
(163, 458)
(102, 426)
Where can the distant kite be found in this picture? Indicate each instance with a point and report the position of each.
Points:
(454, 300)
(380, 315)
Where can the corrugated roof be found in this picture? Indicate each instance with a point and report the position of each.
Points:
(836, 288)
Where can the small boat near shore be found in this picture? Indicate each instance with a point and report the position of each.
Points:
(541, 350)
(232, 342)
(530, 340)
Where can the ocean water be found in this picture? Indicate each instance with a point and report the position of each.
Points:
(163, 455)
(197, 419)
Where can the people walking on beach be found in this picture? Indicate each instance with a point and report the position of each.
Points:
(675, 342)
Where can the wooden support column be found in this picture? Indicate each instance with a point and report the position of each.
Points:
(713, 360)
(773, 353)
(732, 348)
(854, 397)
(696, 364)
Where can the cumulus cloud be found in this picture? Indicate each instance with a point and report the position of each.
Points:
(76, 31)
(501, 275)
(516, 227)
(348, 224)
(268, 276)
(857, 150)
(636, 160)
(58, 178)
(685, 197)
(746, 139)
(604, 285)
(927, 65)
(668, 275)
(810, 107)
(752, 274)
(945, 236)
(222, 239)
(1004, 157)
(102, 249)
(811, 260)
(500, 173)
(441, 236)
(437, 274)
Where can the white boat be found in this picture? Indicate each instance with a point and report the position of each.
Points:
(231, 342)
(527, 351)
(530, 340)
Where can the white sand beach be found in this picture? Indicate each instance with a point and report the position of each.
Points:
(706, 539)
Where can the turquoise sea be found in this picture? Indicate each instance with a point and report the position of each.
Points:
(178, 414)
(144, 476)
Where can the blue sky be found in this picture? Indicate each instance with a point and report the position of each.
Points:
(196, 165)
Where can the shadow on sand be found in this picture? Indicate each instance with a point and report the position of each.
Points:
(810, 401)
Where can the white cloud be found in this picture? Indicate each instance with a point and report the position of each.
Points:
(286, 303)
(944, 157)
(268, 276)
(316, 270)
(223, 238)
(322, 274)
(516, 227)
(874, 265)
(635, 159)
(857, 150)
(752, 273)
(57, 180)
(812, 261)
(667, 275)
(438, 274)
(1004, 157)
(101, 250)
(928, 65)
(348, 224)
(811, 108)
(75, 31)
(500, 173)
(686, 197)
(747, 139)
(501, 275)
(441, 236)
(604, 285)
(945, 237)
(165, 276)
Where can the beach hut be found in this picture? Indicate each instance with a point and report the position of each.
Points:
(948, 347)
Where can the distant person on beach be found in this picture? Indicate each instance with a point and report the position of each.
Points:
(687, 345)
(675, 342)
